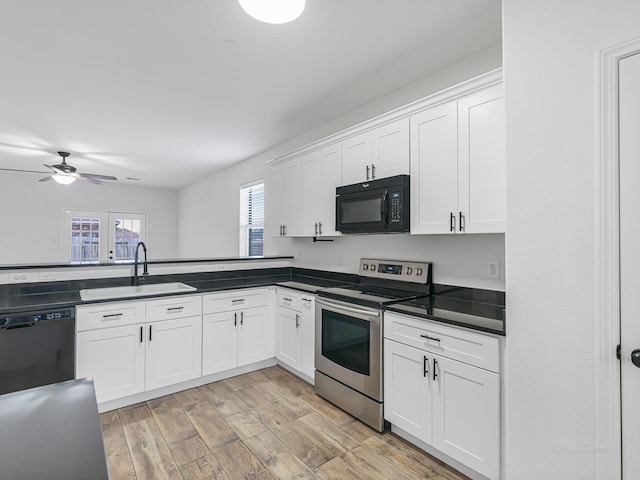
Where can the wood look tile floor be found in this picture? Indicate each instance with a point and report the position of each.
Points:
(267, 424)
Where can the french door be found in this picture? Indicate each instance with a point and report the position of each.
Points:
(94, 237)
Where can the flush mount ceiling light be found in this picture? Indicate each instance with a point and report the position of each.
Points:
(273, 11)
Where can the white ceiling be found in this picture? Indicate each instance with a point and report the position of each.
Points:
(169, 91)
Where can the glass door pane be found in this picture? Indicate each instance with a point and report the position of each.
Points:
(346, 341)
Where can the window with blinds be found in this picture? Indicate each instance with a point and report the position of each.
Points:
(252, 220)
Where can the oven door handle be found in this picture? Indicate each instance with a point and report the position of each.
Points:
(337, 306)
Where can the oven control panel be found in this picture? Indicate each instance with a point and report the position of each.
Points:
(415, 272)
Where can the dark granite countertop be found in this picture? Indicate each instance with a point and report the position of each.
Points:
(460, 312)
(52, 432)
(481, 310)
(47, 295)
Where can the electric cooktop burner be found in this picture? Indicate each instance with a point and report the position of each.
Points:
(384, 282)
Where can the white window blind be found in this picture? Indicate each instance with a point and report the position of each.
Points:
(252, 220)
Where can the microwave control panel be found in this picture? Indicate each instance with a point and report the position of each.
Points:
(415, 272)
(396, 205)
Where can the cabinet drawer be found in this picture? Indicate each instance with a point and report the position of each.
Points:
(174, 307)
(295, 300)
(460, 344)
(112, 314)
(234, 300)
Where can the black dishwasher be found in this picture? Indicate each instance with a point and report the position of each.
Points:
(36, 348)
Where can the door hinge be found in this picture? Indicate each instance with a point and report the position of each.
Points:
(619, 352)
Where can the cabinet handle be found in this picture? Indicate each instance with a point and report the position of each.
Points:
(425, 367)
(174, 309)
(435, 339)
(235, 319)
(112, 315)
(435, 374)
(141, 340)
(452, 222)
(319, 228)
(241, 318)
(297, 320)
(280, 229)
(150, 327)
(461, 222)
(306, 299)
(238, 300)
(315, 232)
(373, 171)
(367, 172)
(286, 299)
(284, 229)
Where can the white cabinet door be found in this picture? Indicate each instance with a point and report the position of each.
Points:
(407, 389)
(390, 149)
(357, 153)
(288, 337)
(284, 190)
(252, 335)
(115, 358)
(466, 420)
(307, 336)
(219, 342)
(434, 169)
(328, 178)
(308, 201)
(482, 161)
(173, 351)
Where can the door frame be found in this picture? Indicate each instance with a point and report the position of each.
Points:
(608, 446)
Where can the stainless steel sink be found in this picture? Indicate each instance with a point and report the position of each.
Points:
(90, 294)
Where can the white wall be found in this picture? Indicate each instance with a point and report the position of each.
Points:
(31, 215)
(550, 70)
(208, 210)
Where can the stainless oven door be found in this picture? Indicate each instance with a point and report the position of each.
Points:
(349, 345)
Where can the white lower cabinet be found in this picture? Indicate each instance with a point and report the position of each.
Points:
(115, 359)
(233, 336)
(127, 352)
(173, 351)
(295, 330)
(448, 404)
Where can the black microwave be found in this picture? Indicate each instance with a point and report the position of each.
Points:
(376, 206)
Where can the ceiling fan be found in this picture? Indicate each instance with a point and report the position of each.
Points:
(65, 174)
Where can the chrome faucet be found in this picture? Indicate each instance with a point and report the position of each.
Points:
(145, 271)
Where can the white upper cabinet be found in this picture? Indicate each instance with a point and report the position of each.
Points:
(284, 178)
(451, 143)
(482, 182)
(303, 193)
(321, 173)
(434, 169)
(377, 153)
(458, 164)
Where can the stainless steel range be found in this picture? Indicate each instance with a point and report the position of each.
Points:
(348, 353)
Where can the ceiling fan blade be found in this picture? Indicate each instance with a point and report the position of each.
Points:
(46, 179)
(55, 168)
(90, 179)
(21, 171)
(96, 176)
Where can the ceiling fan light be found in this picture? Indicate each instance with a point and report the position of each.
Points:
(273, 11)
(63, 179)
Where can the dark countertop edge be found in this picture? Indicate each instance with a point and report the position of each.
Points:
(479, 328)
(36, 266)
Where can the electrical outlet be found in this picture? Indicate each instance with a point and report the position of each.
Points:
(298, 256)
(340, 259)
(492, 268)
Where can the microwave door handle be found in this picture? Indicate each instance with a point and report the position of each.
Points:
(384, 208)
